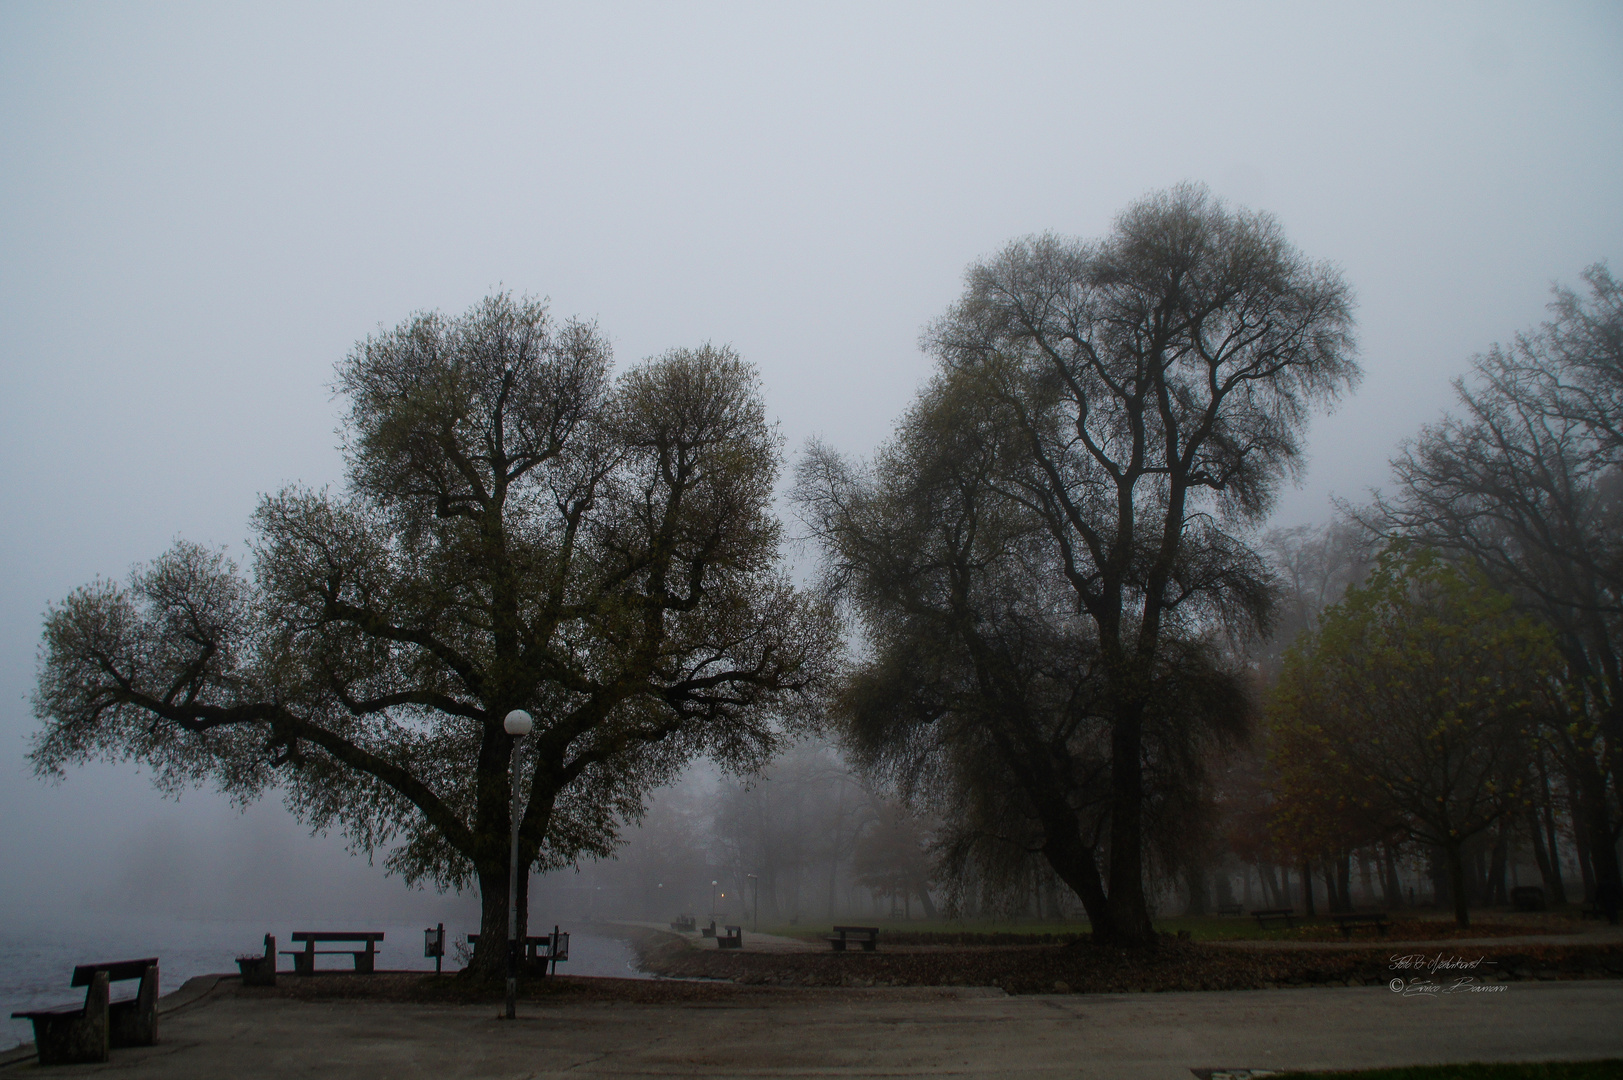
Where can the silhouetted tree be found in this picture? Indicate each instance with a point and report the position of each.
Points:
(519, 531)
(1158, 381)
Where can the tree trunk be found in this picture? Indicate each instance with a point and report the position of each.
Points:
(1546, 814)
(1456, 882)
(490, 952)
(1498, 892)
(1392, 883)
(1548, 868)
(1129, 922)
(1580, 843)
(1608, 892)
(1343, 882)
(1073, 862)
(1307, 889)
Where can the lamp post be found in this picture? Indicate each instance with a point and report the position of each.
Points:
(517, 724)
(712, 901)
(757, 881)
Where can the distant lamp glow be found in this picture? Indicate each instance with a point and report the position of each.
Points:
(518, 723)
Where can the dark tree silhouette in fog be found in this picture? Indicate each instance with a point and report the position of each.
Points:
(1153, 387)
(519, 531)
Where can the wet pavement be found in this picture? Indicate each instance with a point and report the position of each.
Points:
(901, 1032)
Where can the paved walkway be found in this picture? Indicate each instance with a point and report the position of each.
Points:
(895, 1033)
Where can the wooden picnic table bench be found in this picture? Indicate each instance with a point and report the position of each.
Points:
(541, 949)
(1266, 915)
(1377, 919)
(732, 939)
(84, 1033)
(304, 960)
(866, 936)
(685, 924)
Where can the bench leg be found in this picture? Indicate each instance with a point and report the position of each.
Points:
(363, 962)
(135, 1023)
(71, 1040)
(304, 963)
(870, 945)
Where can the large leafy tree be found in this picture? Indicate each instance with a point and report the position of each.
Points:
(1526, 482)
(1158, 382)
(1414, 704)
(519, 530)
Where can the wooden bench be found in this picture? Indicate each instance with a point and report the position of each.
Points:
(259, 970)
(1266, 915)
(1229, 909)
(684, 924)
(732, 939)
(540, 949)
(866, 936)
(84, 1033)
(304, 960)
(1377, 919)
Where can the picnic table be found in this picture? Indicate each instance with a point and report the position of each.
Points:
(84, 1033)
(684, 924)
(866, 936)
(304, 960)
(732, 939)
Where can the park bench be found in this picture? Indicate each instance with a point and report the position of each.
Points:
(1265, 916)
(304, 960)
(732, 939)
(540, 948)
(259, 970)
(84, 1033)
(1230, 909)
(709, 931)
(1377, 919)
(684, 924)
(866, 936)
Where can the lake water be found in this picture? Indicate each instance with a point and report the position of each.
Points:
(34, 970)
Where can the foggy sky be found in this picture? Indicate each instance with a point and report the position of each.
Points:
(202, 207)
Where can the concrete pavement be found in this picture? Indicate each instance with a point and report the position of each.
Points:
(891, 1033)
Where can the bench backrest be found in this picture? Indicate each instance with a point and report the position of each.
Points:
(843, 930)
(117, 971)
(333, 935)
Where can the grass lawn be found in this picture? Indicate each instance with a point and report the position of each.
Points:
(1411, 925)
(1541, 1070)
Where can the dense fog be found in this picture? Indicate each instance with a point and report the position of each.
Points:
(203, 209)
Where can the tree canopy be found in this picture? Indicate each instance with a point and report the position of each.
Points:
(1121, 411)
(1413, 706)
(1526, 483)
(518, 530)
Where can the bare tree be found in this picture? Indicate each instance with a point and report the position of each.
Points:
(518, 532)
